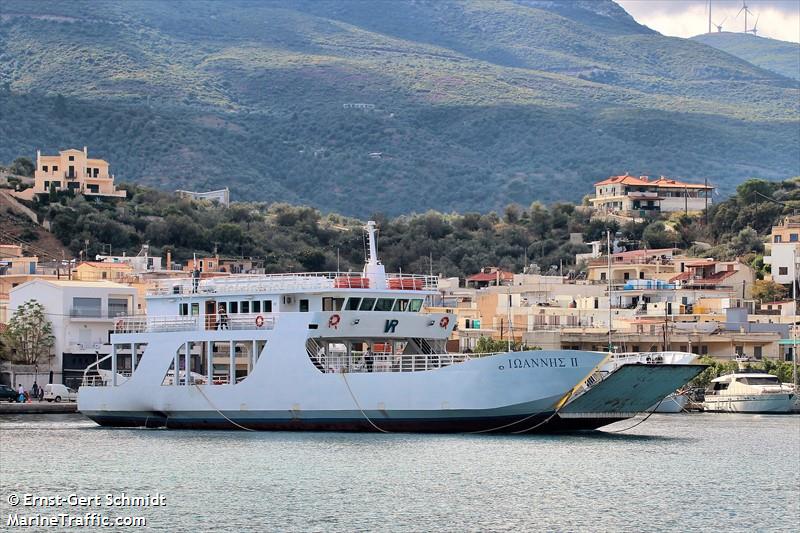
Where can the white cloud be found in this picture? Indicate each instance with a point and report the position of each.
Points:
(779, 19)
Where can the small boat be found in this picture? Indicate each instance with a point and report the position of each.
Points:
(748, 393)
(674, 403)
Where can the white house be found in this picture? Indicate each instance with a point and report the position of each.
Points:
(82, 314)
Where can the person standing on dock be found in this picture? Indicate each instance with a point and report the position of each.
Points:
(35, 390)
(21, 391)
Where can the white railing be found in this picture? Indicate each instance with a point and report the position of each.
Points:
(238, 284)
(159, 324)
(356, 363)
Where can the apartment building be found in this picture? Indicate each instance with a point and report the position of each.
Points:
(783, 250)
(73, 170)
(82, 314)
(641, 195)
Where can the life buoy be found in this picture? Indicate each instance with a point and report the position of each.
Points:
(444, 322)
(333, 321)
(259, 321)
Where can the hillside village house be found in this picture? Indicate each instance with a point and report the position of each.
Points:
(82, 314)
(74, 170)
(784, 250)
(639, 196)
(101, 270)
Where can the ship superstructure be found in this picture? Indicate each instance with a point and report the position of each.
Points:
(317, 351)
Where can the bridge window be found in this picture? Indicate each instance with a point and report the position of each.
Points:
(234, 308)
(400, 305)
(267, 306)
(384, 304)
(366, 304)
(256, 306)
(352, 304)
(332, 304)
(415, 306)
(245, 307)
(304, 306)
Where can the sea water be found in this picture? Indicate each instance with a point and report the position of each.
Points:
(711, 472)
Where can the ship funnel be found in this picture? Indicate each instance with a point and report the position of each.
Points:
(374, 270)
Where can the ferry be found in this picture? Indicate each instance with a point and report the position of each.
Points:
(748, 393)
(317, 351)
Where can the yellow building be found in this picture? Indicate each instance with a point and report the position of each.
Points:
(73, 170)
(98, 271)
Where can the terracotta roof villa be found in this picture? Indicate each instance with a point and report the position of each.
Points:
(639, 195)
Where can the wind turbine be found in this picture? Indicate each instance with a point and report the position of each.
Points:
(755, 26)
(746, 11)
(719, 26)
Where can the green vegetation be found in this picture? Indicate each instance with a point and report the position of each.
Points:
(780, 57)
(490, 345)
(28, 338)
(292, 238)
(476, 103)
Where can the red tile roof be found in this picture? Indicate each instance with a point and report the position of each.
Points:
(644, 181)
(490, 276)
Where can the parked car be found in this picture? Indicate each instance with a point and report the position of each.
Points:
(8, 394)
(57, 392)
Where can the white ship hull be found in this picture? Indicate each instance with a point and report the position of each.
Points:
(505, 392)
(754, 403)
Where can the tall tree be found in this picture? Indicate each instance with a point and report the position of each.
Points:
(29, 334)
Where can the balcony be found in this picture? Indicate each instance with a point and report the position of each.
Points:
(89, 314)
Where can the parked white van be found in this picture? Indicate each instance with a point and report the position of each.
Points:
(58, 392)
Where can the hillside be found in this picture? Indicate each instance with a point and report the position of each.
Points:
(771, 54)
(476, 104)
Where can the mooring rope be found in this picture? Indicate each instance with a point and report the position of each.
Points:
(353, 396)
(562, 403)
(220, 412)
(640, 421)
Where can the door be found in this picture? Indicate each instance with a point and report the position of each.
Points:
(211, 314)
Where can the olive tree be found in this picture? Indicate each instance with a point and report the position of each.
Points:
(29, 334)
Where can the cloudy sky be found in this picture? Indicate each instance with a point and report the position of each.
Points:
(779, 19)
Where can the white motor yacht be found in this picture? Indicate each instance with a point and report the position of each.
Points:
(748, 393)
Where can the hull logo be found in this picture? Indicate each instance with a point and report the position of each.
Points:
(390, 325)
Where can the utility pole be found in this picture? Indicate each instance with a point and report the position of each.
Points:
(608, 275)
(794, 319)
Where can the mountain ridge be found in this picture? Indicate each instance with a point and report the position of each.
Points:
(473, 109)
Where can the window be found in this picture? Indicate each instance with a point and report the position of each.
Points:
(93, 188)
(793, 237)
(72, 158)
(758, 352)
(86, 307)
(234, 307)
(400, 305)
(256, 307)
(783, 271)
(777, 238)
(46, 184)
(55, 168)
(196, 309)
(44, 168)
(117, 306)
(602, 276)
(384, 304)
(352, 304)
(183, 310)
(73, 185)
(415, 306)
(56, 184)
(304, 306)
(366, 304)
(245, 307)
(760, 381)
(332, 304)
(267, 306)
